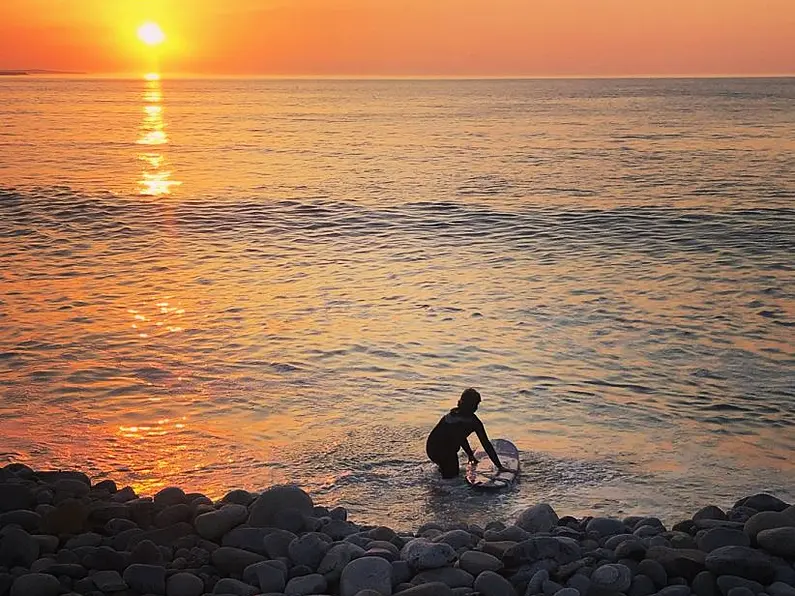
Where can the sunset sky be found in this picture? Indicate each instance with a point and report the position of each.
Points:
(405, 37)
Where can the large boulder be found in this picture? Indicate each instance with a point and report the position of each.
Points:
(18, 548)
(476, 562)
(767, 520)
(423, 554)
(337, 558)
(146, 579)
(678, 562)
(538, 518)
(455, 578)
(606, 526)
(228, 585)
(232, 561)
(36, 584)
(762, 502)
(15, 496)
(214, 524)
(184, 584)
(709, 540)
(308, 550)
(611, 578)
(490, 583)
(779, 541)
(266, 509)
(742, 561)
(372, 573)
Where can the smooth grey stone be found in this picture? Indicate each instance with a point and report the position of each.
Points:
(767, 520)
(432, 589)
(780, 589)
(567, 592)
(641, 586)
(233, 560)
(41, 565)
(336, 558)
(674, 591)
(606, 526)
(214, 524)
(513, 533)
(17, 547)
(562, 550)
(779, 541)
(743, 561)
(611, 578)
(476, 562)
(270, 576)
(36, 584)
(727, 582)
(87, 539)
(30, 521)
(366, 573)
(108, 581)
(107, 559)
(277, 543)
(550, 588)
(579, 582)
(47, 544)
(265, 508)
(338, 529)
(401, 572)
(246, 538)
(714, 538)
(173, 514)
(631, 549)
(536, 583)
(118, 525)
(538, 518)
(455, 578)
(710, 512)
(68, 487)
(184, 584)
(741, 591)
(489, 583)
(238, 497)
(146, 579)
(308, 550)
(423, 554)
(171, 495)
(654, 571)
(704, 584)
(227, 585)
(147, 553)
(613, 541)
(762, 502)
(678, 562)
(457, 539)
(14, 497)
(71, 570)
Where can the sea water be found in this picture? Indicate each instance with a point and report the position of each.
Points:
(234, 283)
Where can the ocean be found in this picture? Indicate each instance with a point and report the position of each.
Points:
(236, 283)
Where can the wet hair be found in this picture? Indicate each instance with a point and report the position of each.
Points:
(469, 400)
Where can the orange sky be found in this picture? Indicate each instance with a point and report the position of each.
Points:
(405, 37)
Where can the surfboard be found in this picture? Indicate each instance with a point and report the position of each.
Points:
(483, 475)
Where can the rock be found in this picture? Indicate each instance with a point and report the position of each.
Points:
(171, 495)
(550, 588)
(314, 583)
(173, 514)
(289, 519)
(538, 518)
(86, 539)
(71, 570)
(146, 552)
(779, 541)
(704, 584)
(513, 533)
(780, 589)
(611, 578)
(489, 583)
(338, 529)
(457, 539)
(613, 542)
(124, 495)
(36, 584)
(741, 591)
(498, 549)
(727, 582)
(631, 549)
(762, 502)
(238, 497)
(536, 583)
(455, 578)
(164, 536)
(108, 581)
(47, 544)
(714, 538)
(213, 525)
(146, 579)
(567, 592)
(677, 590)
(767, 520)
(276, 499)
(710, 512)
(71, 488)
(677, 562)
(117, 525)
(606, 526)
(233, 560)
(14, 497)
(184, 584)
(308, 550)
(107, 559)
(743, 561)
(252, 539)
(433, 589)
(337, 558)
(30, 521)
(17, 547)
(227, 585)
(366, 573)
(422, 554)
(579, 582)
(655, 571)
(475, 562)
(401, 572)
(68, 517)
(562, 550)
(641, 586)
(270, 576)
(277, 543)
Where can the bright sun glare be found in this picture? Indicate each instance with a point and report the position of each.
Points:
(151, 34)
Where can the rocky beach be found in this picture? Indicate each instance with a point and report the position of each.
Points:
(62, 534)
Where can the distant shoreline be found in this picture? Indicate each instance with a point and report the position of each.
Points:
(37, 71)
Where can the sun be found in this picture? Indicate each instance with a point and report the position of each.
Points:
(151, 34)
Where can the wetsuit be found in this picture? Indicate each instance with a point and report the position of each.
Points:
(450, 435)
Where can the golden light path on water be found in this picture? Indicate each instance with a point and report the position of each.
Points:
(156, 175)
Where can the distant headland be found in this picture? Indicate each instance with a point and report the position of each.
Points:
(37, 71)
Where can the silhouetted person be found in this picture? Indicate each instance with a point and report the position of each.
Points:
(451, 433)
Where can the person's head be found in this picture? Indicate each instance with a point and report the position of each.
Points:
(469, 400)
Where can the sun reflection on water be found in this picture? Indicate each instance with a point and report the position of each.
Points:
(156, 176)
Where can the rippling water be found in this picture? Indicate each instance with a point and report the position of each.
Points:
(234, 283)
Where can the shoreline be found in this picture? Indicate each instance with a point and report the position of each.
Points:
(61, 534)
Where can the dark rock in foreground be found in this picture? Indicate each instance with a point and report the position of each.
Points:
(59, 534)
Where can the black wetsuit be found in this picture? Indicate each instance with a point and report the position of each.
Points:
(450, 435)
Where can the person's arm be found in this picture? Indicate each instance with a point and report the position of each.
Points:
(468, 450)
(484, 440)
